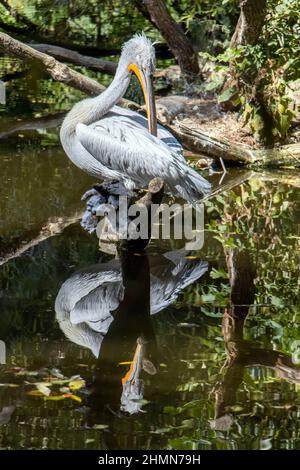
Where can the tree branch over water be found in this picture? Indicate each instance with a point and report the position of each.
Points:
(61, 53)
(58, 71)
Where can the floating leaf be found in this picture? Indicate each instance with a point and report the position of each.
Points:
(35, 393)
(9, 385)
(76, 384)
(55, 397)
(57, 373)
(75, 398)
(149, 367)
(89, 441)
(100, 426)
(43, 389)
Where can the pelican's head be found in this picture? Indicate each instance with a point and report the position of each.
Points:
(139, 55)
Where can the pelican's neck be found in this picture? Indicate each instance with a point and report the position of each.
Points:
(92, 109)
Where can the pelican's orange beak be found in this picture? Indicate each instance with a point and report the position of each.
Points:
(146, 81)
(130, 373)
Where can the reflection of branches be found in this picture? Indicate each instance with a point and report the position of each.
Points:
(242, 353)
(45, 122)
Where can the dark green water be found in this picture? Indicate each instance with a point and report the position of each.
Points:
(216, 363)
(214, 334)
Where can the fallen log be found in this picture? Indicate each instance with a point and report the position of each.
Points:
(200, 142)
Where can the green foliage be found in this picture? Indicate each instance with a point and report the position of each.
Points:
(210, 24)
(263, 73)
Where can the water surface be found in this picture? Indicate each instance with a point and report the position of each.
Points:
(167, 349)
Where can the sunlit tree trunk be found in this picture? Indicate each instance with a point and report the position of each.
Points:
(250, 23)
(174, 36)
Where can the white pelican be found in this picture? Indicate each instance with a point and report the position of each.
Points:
(85, 301)
(114, 143)
(107, 307)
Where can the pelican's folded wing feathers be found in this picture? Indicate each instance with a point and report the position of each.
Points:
(124, 146)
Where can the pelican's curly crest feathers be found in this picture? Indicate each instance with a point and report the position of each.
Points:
(142, 48)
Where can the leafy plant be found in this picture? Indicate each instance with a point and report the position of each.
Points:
(261, 76)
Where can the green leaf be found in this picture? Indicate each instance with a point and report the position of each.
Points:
(227, 95)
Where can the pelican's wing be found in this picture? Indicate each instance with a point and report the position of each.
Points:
(171, 276)
(162, 133)
(125, 147)
(82, 335)
(89, 296)
(95, 308)
(84, 303)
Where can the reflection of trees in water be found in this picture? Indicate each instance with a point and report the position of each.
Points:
(240, 352)
(36, 187)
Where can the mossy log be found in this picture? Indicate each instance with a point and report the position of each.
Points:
(200, 142)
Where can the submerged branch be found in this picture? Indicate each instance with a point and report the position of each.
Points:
(52, 227)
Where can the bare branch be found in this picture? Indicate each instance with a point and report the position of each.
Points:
(61, 53)
(58, 71)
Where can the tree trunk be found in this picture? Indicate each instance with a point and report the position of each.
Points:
(174, 36)
(250, 23)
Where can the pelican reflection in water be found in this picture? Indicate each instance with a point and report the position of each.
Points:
(114, 143)
(107, 309)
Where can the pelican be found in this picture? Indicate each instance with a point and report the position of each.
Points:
(106, 308)
(85, 301)
(114, 143)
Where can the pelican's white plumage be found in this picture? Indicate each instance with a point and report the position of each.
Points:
(86, 300)
(111, 142)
